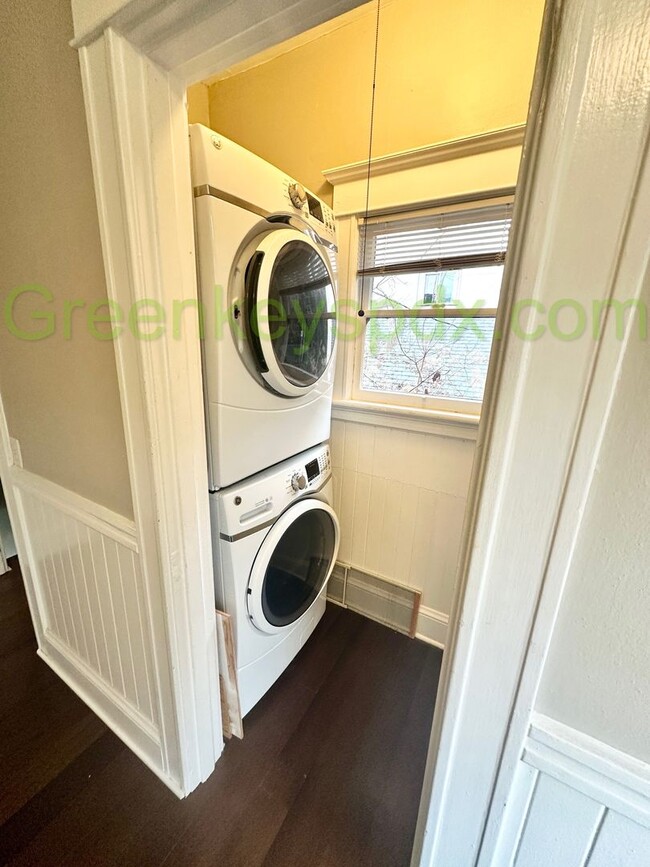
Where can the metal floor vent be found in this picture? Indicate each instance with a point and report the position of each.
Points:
(387, 602)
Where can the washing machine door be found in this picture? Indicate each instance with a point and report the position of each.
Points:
(293, 565)
(290, 301)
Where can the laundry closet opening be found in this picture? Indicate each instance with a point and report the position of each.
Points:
(353, 191)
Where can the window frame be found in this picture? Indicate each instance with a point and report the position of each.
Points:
(353, 351)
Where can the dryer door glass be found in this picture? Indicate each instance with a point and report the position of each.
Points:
(290, 321)
(302, 296)
(298, 567)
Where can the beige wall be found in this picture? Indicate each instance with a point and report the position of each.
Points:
(597, 677)
(61, 396)
(445, 70)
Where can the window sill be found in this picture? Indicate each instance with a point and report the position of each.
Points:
(438, 422)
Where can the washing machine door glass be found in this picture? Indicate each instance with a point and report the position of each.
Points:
(293, 565)
(291, 311)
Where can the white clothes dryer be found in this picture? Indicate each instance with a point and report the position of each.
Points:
(267, 266)
(278, 539)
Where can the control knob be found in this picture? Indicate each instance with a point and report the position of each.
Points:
(297, 195)
(298, 481)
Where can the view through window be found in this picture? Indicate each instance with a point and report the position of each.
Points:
(430, 289)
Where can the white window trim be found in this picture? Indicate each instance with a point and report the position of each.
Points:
(451, 424)
(348, 390)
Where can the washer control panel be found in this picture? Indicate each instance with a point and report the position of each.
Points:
(310, 475)
(256, 501)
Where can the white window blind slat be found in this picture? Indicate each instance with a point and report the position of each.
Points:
(470, 236)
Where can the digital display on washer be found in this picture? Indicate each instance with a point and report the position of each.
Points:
(312, 470)
(315, 208)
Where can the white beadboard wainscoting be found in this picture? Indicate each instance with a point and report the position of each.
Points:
(400, 490)
(90, 611)
(576, 802)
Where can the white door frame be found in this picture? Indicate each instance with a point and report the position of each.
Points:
(579, 232)
(136, 58)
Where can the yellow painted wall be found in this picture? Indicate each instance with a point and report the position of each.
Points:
(60, 395)
(198, 105)
(446, 70)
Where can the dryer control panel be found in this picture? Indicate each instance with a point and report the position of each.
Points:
(312, 209)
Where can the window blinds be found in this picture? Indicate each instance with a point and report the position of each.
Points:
(436, 241)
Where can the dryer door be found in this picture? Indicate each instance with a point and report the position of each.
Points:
(291, 314)
(293, 565)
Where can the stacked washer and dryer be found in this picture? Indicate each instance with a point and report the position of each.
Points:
(267, 264)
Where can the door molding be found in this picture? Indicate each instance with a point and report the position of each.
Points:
(140, 151)
(136, 59)
(577, 233)
(574, 793)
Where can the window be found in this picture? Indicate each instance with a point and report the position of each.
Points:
(429, 284)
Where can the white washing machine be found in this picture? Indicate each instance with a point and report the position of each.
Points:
(267, 264)
(278, 539)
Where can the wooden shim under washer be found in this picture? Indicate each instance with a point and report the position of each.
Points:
(228, 687)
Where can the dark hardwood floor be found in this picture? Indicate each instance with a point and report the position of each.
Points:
(328, 773)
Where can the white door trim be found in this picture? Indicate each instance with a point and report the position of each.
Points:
(136, 58)
(540, 435)
(141, 166)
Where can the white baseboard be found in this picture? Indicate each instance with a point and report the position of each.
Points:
(132, 728)
(432, 627)
(99, 694)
